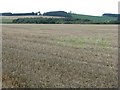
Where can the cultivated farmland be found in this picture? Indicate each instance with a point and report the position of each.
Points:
(9, 19)
(64, 56)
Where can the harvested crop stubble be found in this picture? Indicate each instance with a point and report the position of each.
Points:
(60, 56)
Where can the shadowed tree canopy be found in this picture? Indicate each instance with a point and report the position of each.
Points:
(57, 13)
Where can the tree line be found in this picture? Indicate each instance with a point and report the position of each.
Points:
(53, 13)
(60, 21)
(51, 20)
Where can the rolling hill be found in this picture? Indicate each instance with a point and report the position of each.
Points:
(92, 19)
(98, 19)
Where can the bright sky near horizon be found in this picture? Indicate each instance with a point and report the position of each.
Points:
(88, 7)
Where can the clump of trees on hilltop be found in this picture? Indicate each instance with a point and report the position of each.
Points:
(57, 13)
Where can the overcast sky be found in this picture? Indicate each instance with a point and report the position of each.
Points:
(88, 7)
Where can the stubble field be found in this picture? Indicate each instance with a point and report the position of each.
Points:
(64, 56)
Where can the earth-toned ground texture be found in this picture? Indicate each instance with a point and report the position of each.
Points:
(80, 56)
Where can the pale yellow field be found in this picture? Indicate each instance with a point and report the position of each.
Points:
(81, 56)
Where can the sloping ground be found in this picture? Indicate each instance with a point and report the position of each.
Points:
(94, 18)
(60, 56)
